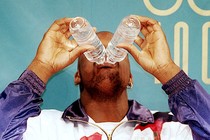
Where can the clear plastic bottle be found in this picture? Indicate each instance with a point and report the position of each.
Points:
(84, 34)
(126, 32)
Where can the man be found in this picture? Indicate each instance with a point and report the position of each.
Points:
(103, 110)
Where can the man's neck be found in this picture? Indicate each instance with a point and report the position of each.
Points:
(107, 111)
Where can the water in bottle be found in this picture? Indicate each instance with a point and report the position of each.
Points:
(84, 34)
(126, 32)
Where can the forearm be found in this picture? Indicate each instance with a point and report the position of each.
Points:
(19, 101)
(190, 103)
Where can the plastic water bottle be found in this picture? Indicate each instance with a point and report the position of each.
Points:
(126, 32)
(84, 34)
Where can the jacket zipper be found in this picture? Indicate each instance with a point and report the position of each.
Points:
(109, 136)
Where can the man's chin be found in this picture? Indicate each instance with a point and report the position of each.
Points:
(106, 86)
(106, 83)
(105, 96)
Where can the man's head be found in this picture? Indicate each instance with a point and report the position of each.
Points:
(105, 81)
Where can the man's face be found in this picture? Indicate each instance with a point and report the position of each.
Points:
(103, 81)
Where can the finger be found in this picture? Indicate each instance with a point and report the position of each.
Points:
(147, 24)
(150, 29)
(144, 31)
(69, 45)
(67, 34)
(57, 23)
(128, 47)
(146, 20)
(79, 50)
(65, 42)
(64, 29)
(95, 29)
(157, 27)
(135, 52)
(154, 27)
(63, 26)
(139, 41)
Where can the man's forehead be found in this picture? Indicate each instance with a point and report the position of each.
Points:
(105, 37)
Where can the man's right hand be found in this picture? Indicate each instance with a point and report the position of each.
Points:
(56, 51)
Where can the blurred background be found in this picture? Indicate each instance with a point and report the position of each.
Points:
(186, 24)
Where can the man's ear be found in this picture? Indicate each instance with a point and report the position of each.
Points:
(131, 77)
(130, 83)
(77, 78)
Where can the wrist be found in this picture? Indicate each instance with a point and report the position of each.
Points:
(42, 70)
(166, 73)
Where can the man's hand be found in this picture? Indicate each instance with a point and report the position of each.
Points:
(154, 56)
(56, 51)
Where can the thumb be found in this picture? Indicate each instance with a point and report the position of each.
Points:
(79, 50)
(67, 44)
(70, 45)
(133, 50)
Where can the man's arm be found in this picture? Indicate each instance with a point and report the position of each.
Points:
(190, 103)
(19, 101)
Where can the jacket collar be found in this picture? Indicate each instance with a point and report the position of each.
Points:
(136, 112)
